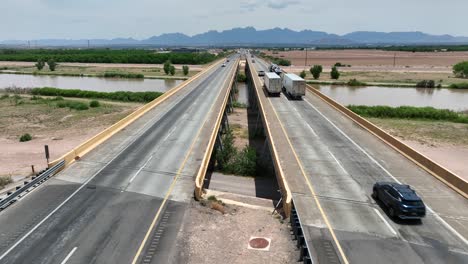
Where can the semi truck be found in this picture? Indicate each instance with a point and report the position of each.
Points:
(294, 85)
(272, 83)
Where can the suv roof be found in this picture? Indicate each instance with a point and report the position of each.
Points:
(405, 192)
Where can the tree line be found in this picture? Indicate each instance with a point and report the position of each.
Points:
(106, 56)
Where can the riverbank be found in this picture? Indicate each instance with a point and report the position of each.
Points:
(149, 71)
(62, 128)
(444, 142)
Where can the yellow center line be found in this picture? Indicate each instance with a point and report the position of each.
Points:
(325, 218)
(171, 187)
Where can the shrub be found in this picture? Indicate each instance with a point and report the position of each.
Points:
(354, 82)
(338, 64)
(303, 74)
(409, 112)
(335, 74)
(116, 96)
(459, 85)
(123, 75)
(5, 96)
(167, 67)
(73, 105)
(5, 180)
(94, 103)
(315, 71)
(40, 64)
(185, 70)
(52, 64)
(25, 137)
(172, 70)
(461, 69)
(426, 84)
(241, 77)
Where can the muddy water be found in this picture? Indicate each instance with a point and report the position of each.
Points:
(86, 83)
(396, 96)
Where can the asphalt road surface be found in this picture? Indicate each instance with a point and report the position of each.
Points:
(110, 206)
(342, 162)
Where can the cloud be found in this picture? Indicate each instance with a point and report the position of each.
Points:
(278, 4)
(252, 5)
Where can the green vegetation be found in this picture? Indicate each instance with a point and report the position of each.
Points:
(72, 105)
(167, 67)
(172, 70)
(25, 137)
(409, 112)
(52, 64)
(106, 56)
(94, 103)
(237, 104)
(116, 96)
(275, 60)
(463, 85)
(40, 64)
(4, 181)
(303, 74)
(123, 75)
(316, 70)
(241, 77)
(339, 64)
(461, 69)
(355, 82)
(426, 84)
(185, 70)
(334, 74)
(232, 161)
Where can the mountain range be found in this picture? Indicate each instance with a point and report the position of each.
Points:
(252, 37)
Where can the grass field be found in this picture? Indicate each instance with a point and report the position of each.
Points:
(425, 132)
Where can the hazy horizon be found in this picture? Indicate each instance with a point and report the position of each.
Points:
(141, 19)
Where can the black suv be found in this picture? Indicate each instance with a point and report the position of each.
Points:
(401, 200)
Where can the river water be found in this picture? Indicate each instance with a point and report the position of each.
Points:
(454, 99)
(87, 83)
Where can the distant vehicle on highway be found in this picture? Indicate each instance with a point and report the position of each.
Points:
(272, 83)
(275, 68)
(223, 65)
(253, 61)
(261, 73)
(294, 85)
(400, 200)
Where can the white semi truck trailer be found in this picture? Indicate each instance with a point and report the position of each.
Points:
(294, 85)
(272, 83)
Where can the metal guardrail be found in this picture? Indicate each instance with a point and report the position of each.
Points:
(37, 180)
(298, 234)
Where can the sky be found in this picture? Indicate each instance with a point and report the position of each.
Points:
(140, 19)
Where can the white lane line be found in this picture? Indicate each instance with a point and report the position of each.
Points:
(141, 168)
(307, 123)
(449, 227)
(69, 255)
(139, 132)
(386, 222)
(339, 164)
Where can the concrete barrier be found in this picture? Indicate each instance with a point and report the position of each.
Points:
(96, 140)
(283, 184)
(454, 181)
(200, 178)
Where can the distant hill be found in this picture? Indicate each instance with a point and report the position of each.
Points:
(251, 36)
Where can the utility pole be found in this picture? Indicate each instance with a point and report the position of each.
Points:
(394, 59)
(29, 44)
(88, 43)
(305, 58)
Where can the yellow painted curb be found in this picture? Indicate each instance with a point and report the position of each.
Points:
(200, 178)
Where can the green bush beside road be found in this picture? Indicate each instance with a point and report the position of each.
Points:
(409, 112)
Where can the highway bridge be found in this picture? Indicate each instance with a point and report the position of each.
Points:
(125, 201)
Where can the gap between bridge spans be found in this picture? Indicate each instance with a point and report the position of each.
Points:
(304, 174)
(179, 171)
(104, 135)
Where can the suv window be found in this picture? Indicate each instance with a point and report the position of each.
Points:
(393, 193)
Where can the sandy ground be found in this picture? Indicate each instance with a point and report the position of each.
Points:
(454, 158)
(102, 65)
(60, 128)
(383, 59)
(216, 238)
